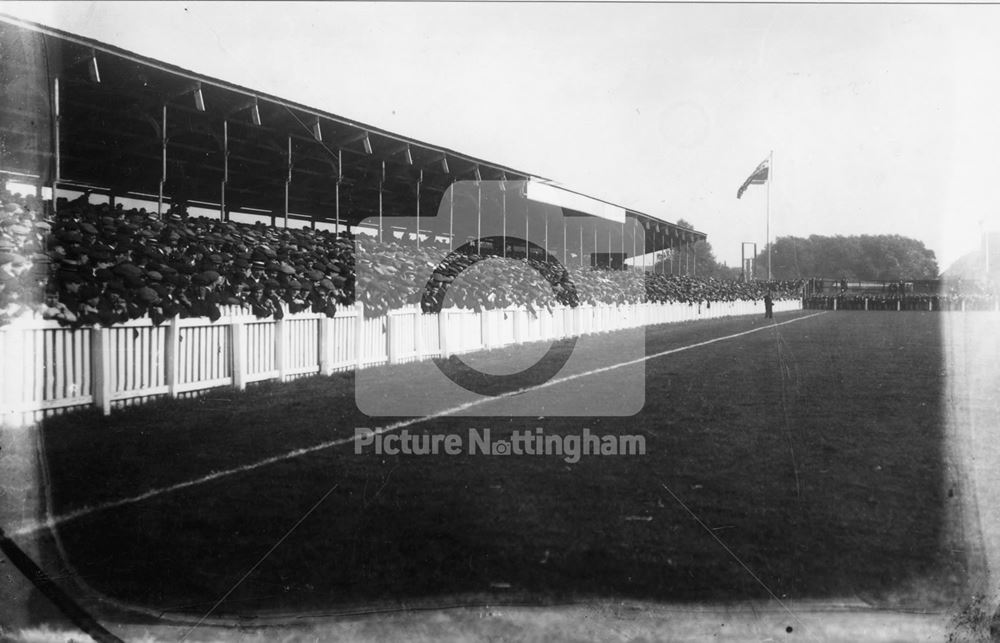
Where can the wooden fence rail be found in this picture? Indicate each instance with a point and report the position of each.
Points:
(48, 368)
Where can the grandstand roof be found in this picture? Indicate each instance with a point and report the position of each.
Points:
(113, 104)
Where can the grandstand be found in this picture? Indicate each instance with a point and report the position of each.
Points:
(81, 115)
(201, 214)
(197, 303)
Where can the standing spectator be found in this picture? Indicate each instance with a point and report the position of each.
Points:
(52, 308)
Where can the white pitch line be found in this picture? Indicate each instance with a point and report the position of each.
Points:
(53, 521)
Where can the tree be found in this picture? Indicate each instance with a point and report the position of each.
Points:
(875, 257)
(709, 266)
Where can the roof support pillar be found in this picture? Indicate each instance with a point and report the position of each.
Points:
(55, 142)
(623, 244)
(288, 182)
(163, 161)
(527, 236)
(545, 241)
(451, 218)
(645, 255)
(503, 229)
(564, 242)
(655, 257)
(609, 246)
(419, 181)
(223, 213)
(633, 244)
(479, 218)
(340, 176)
(381, 182)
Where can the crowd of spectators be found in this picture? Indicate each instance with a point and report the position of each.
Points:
(104, 264)
(911, 301)
(667, 288)
(901, 295)
(98, 264)
(391, 274)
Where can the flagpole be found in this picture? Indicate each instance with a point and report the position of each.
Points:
(770, 177)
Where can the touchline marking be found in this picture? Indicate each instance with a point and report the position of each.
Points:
(54, 521)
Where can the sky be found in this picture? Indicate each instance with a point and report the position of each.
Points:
(881, 118)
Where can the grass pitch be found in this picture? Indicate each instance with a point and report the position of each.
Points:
(812, 450)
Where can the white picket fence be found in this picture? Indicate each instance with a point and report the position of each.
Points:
(48, 368)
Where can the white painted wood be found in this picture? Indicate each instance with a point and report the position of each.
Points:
(280, 349)
(326, 348)
(172, 356)
(101, 350)
(238, 348)
(55, 367)
(443, 331)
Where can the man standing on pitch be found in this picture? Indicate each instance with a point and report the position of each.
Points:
(768, 306)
